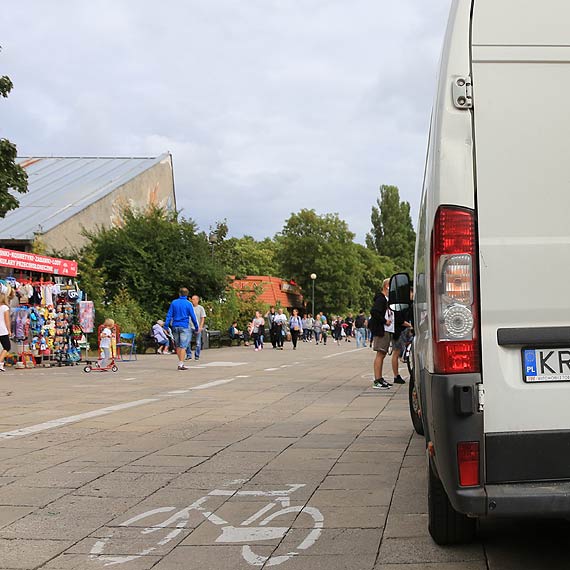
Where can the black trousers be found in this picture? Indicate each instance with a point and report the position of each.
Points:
(294, 337)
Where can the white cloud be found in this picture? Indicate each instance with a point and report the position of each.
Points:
(268, 106)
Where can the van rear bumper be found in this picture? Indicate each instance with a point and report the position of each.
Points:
(524, 499)
(449, 424)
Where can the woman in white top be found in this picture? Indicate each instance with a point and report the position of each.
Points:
(296, 327)
(258, 330)
(5, 328)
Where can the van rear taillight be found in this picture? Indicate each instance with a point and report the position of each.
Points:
(468, 463)
(454, 293)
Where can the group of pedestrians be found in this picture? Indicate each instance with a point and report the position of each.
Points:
(185, 319)
(389, 328)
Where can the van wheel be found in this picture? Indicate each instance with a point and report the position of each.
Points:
(414, 401)
(446, 525)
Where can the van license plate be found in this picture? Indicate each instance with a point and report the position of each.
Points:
(546, 365)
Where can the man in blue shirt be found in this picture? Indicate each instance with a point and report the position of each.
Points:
(178, 318)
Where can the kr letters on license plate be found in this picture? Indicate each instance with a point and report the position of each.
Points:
(546, 365)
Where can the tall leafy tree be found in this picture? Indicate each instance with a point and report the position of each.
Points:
(151, 256)
(321, 244)
(392, 234)
(247, 256)
(12, 176)
(375, 268)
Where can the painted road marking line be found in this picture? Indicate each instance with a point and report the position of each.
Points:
(174, 392)
(345, 352)
(133, 378)
(220, 364)
(73, 419)
(102, 412)
(243, 376)
(271, 369)
(212, 384)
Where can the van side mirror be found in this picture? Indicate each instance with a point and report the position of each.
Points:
(399, 297)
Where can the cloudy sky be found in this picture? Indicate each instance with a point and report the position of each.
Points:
(268, 106)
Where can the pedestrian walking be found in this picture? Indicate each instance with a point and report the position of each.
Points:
(178, 318)
(310, 327)
(360, 329)
(5, 328)
(296, 327)
(270, 322)
(317, 330)
(305, 327)
(380, 336)
(200, 313)
(348, 327)
(326, 328)
(258, 325)
(337, 330)
(280, 323)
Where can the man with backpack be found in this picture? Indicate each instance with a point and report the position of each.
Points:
(360, 329)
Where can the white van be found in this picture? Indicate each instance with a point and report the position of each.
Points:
(491, 378)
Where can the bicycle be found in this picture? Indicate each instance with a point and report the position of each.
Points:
(243, 534)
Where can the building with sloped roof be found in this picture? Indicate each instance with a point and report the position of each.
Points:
(271, 291)
(67, 195)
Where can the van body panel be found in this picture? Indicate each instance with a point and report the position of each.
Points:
(521, 22)
(508, 159)
(449, 174)
(523, 200)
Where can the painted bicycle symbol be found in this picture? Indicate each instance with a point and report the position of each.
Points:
(245, 533)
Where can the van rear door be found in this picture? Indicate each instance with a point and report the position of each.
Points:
(521, 86)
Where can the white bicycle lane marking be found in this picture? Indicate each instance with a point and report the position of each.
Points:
(230, 534)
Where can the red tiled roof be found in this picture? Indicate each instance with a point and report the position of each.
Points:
(272, 290)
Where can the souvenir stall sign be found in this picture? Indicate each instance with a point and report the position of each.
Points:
(38, 263)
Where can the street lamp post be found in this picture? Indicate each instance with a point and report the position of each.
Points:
(313, 277)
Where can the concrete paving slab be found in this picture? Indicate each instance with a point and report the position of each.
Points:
(27, 554)
(424, 550)
(126, 484)
(346, 517)
(20, 496)
(8, 515)
(403, 526)
(352, 498)
(334, 541)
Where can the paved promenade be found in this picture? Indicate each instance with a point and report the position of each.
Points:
(282, 459)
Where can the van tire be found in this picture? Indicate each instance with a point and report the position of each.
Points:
(414, 404)
(446, 525)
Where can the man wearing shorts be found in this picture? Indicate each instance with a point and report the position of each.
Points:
(380, 337)
(178, 318)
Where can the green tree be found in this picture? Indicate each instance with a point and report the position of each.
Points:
(151, 256)
(247, 256)
(12, 176)
(392, 234)
(321, 244)
(375, 268)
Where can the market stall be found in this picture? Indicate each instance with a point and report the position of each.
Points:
(50, 316)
